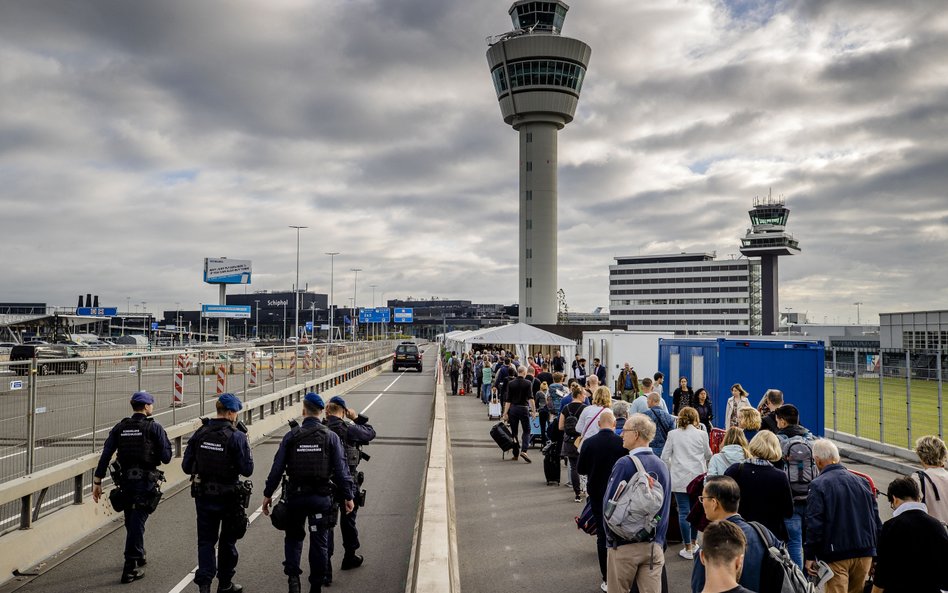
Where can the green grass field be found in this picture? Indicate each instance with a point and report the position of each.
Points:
(895, 413)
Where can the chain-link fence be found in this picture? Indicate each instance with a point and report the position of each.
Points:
(55, 411)
(889, 396)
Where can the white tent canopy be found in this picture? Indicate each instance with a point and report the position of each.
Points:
(518, 335)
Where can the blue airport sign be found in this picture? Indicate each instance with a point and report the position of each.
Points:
(225, 311)
(154, 325)
(404, 315)
(97, 311)
(380, 315)
(309, 326)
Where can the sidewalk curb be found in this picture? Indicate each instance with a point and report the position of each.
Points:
(887, 457)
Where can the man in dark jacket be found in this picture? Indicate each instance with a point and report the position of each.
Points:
(638, 562)
(773, 399)
(912, 545)
(596, 459)
(599, 371)
(789, 432)
(842, 522)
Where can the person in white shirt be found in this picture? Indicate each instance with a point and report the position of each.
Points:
(933, 480)
(686, 452)
(588, 423)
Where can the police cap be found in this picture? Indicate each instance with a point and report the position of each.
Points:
(230, 402)
(142, 397)
(314, 399)
(338, 401)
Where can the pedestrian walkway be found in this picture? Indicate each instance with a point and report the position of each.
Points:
(515, 533)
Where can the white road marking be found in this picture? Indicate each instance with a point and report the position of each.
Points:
(190, 576)
(402, 374)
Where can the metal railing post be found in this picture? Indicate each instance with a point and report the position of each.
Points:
(244, 398)
(908, 397)
(141, 361)
(856, 387)
(881, 397)
(201, 363)
(31, 421)
(835, 371)
(95, 398)
(941, 432)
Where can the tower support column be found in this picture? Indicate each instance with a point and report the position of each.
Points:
(538, 221)
(770, 318)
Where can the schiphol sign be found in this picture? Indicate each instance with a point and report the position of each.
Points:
(225, 311)
(380, 315)
(404, 315)
(220, 270)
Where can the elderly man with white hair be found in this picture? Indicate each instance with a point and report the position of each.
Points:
(842, 522)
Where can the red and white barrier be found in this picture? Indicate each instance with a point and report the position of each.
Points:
(292, 366)
(253, 373)
(177, 396)
(221, 379)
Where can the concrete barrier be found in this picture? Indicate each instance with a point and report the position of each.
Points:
(24, 549)
(434, 558)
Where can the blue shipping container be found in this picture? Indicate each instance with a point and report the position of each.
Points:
(792, 366)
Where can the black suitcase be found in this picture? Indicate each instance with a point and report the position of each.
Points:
(552, 468)
(502, 436)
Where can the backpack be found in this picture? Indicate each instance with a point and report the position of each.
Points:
(569, 425)
(455, 365)
(778, 573)
(799, 465)
(635, 510)
(922, 476)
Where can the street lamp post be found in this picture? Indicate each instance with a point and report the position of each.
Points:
(374, 324)
(296, 287)
(256, 324)
(355, 310)
(332, 258)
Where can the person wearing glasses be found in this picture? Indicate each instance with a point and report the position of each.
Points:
(720, 498)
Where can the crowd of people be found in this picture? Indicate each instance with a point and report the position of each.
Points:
(772, 484)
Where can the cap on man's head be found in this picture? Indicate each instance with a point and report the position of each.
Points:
(230, 402)
(338, 401)
(314, 399)
(142, 397)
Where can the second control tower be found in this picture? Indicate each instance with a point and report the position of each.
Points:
(538, 75)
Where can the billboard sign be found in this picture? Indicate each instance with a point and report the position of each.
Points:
(225, 311)
(380, 315)
(97, 311)
(404, 315)
(220, 270)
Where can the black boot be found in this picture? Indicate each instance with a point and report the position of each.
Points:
(204, 588)
(294, 583)
(229, 588)
(350, 561)
(131, 572)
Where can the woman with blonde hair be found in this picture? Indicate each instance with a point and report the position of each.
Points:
(765, 490)
(737, 401)
(686, 453)
(588, 423)
(933, 480)
(733, 450)
(749, 420)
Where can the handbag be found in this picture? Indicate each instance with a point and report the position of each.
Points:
(586, 521)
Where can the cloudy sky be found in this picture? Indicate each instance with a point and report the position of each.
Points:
(136, 138)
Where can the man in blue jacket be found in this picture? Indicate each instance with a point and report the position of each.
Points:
(720, 499)
(638, 562)
(842, 522)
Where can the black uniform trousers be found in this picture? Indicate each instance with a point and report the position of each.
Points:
(307, 511)
(135, 518)
(212, 513)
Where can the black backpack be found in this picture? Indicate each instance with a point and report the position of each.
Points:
(922, 476)
(778, 573)
(569, 425)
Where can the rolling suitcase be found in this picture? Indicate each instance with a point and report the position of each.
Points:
(494, 410)
(715, 438)
(502, 436)
(552, 465)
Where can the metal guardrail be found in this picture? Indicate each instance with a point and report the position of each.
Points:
(25, 498)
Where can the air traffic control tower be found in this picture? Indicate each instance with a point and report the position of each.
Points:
(768, 239)
(538, 75)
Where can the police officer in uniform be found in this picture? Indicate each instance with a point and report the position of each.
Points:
(354, 431)
(216, 456)
(142, 445)
(313, 459)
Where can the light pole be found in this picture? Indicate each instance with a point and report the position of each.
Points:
(128, 307)
(256, 323)
(177, 320)
(332, 259)
(296, 287)
(858, 319)
(374, 324)
(355, 311)
(789, 309)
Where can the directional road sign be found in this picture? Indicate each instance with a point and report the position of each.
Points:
(404, 315)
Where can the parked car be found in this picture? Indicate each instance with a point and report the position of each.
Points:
(407, 355)
(50, 358)
(5, 347)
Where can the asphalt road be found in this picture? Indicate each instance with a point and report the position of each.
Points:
(400, 406)
(75, 412)
(516, 534)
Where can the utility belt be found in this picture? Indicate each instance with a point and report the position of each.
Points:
(240, 491)
(123, 499)
(326, 488)
(138, 473)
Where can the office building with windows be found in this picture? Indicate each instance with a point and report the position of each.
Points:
(685, 293)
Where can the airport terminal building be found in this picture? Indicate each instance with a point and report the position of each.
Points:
(685, 293)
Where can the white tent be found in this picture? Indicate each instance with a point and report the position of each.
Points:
(518, 335)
